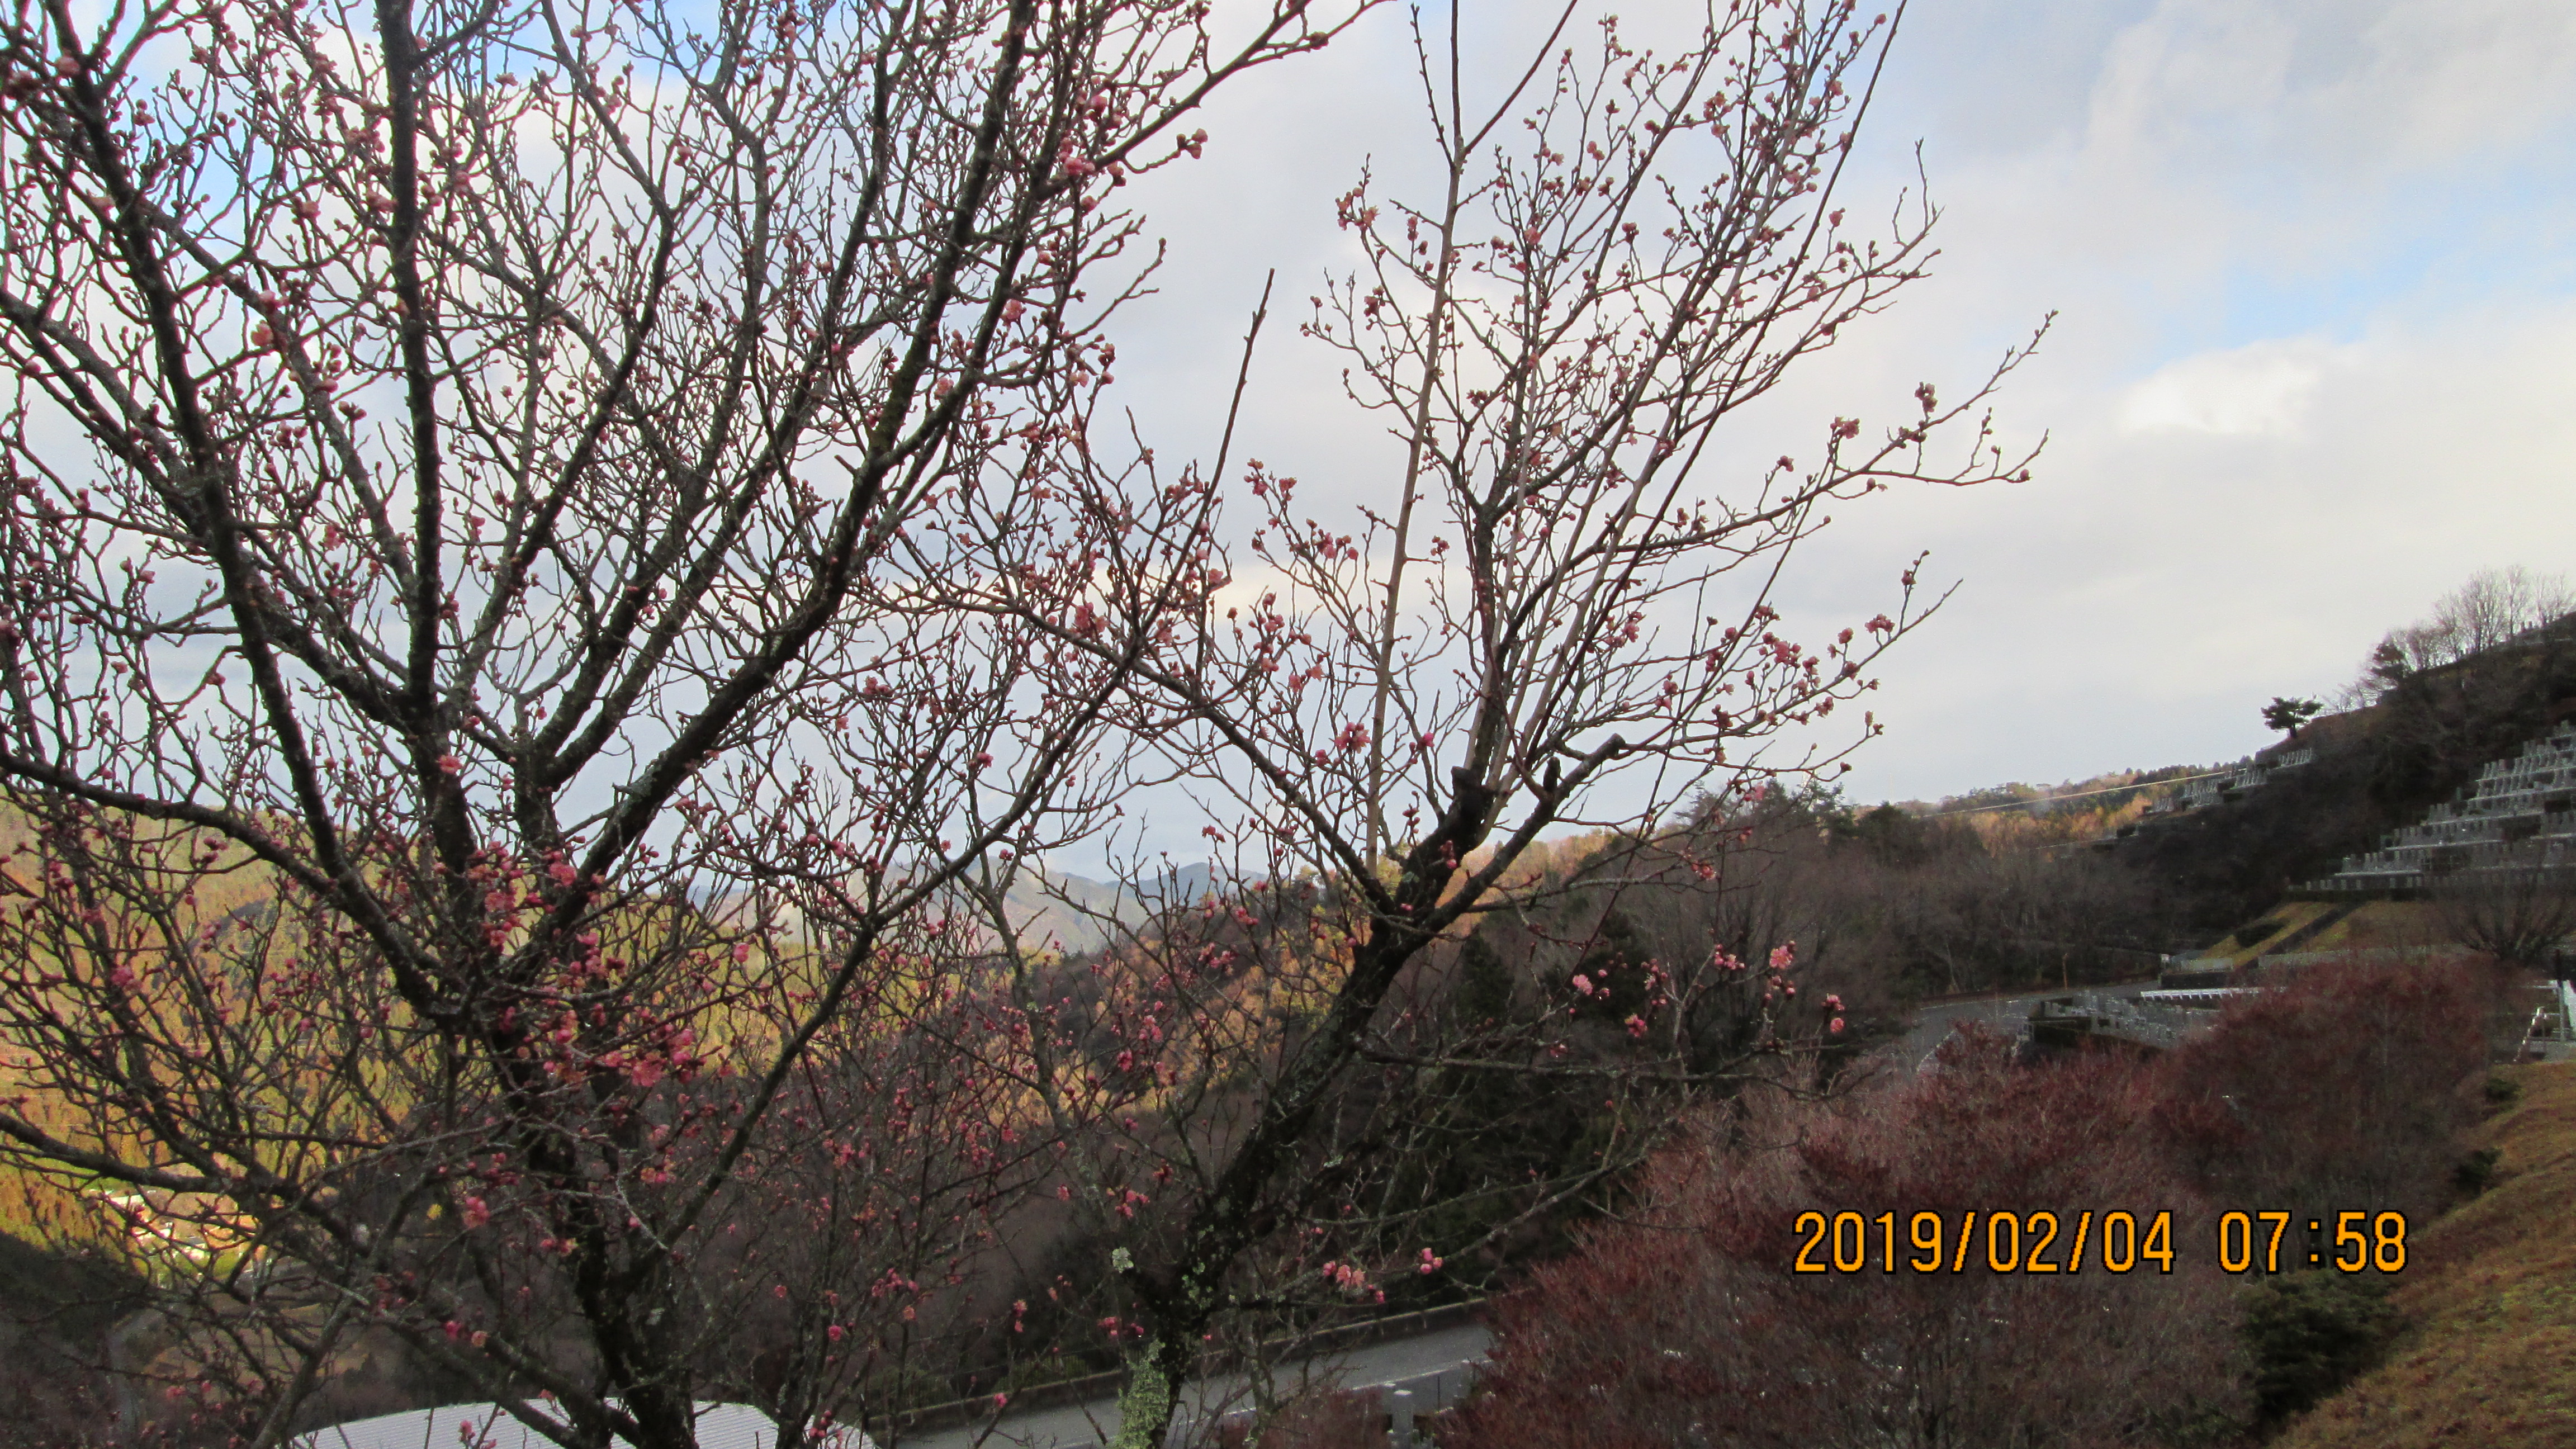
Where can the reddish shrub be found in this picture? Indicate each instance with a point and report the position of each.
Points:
(1687, 1326)
(2344, 1090)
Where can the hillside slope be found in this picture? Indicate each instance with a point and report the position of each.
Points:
(2492, 1290)
(2374, 769)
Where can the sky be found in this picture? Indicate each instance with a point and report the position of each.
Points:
(2314, 273)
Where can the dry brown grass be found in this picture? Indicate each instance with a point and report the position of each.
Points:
(2383, 924)
(2491, 1359)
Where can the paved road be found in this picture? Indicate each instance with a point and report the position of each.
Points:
(1434, 1368)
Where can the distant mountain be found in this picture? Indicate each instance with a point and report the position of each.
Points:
(1190, 883)
(1068, 913)
(1074, 914)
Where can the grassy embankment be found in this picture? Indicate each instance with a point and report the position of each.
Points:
(2491, 1288)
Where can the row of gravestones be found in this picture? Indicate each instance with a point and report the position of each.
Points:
(2519, 813)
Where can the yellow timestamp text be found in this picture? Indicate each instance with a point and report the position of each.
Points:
(2362, 1242)
(2113, 1241)
(2117, 1241)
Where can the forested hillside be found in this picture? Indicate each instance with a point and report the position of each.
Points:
(2376, 767)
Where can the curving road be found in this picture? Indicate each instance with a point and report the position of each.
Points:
(1434, 1369)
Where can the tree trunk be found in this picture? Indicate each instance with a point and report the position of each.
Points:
(1152, 1392)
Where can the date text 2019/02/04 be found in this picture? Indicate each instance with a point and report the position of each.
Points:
(2114, 1241)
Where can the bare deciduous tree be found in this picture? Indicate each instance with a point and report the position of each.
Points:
(2491, 608)
(2522, 915)
(550, 548)
(473, 762)
(1546, 619)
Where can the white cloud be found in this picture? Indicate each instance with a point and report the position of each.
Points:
(2317, 284)
(2136, 605)
(2259, 389)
